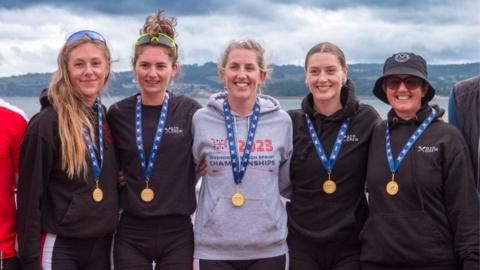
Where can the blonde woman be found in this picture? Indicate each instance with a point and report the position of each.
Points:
(67, 195)
(246, 140)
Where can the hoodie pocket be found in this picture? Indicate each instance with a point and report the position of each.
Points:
(78, 208)
(249, 226)
(408, 238)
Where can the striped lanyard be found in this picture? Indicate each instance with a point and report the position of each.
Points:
(239, 168)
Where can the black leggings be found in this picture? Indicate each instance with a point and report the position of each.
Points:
(166, 241)
(62, 253)
(10, 264)
(274, 263)
(308, 255)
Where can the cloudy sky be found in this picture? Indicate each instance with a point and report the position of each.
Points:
(32, 32)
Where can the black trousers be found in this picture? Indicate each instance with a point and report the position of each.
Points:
(166, 242)
(62, 253)
(306, 254)
(273, 263)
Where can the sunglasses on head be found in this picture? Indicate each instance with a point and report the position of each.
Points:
(159, 38)
(92, 35)
(411, 83)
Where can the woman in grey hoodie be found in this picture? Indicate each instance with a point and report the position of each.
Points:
(246, 140)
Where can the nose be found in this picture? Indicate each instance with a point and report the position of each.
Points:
(402, 87)
(151, 72)
(88, 70)
(242, 73)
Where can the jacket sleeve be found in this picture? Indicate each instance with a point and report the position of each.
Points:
(462, 205)
(285, 184)
(36, 161)
(452, 109)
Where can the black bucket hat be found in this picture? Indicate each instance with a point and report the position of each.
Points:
(404, 63)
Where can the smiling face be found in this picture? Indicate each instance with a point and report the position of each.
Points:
(154, 69)
(325, 77)
(404, 93)
(242, 75)
(87, 70)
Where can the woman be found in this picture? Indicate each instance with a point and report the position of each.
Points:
(424, 213)
(153, 138)
(331, 133)
(67, 191)
(246, 141)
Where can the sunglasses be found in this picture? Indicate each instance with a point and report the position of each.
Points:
(411, 83)
(159, 38)
(92, 35)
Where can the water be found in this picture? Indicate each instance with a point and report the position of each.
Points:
(31, 105)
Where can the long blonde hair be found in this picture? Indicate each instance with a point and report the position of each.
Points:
(73, 111)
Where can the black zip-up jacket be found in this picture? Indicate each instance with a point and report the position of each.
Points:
(314, 214)
(173, 177)
(50, 202)
(433, 220)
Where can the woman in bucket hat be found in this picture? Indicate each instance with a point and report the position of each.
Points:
(424, 213)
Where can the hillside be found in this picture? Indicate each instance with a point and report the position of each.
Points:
(286, 80)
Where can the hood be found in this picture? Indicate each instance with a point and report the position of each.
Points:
(423, 113)
(267, 103)
(348, 99)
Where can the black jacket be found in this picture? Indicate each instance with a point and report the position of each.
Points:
(173, 178)
(330, 218)
(433, 220)
(50, 202)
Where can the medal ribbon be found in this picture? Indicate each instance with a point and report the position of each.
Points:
(328, 163)
(148, 168)
(96, 166)
(394, 164)
(239, 168)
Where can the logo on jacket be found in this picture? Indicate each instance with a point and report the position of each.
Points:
(173, 130)
(427, 149)
(350, 138)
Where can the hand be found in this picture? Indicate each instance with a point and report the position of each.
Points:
(121, 179)
(202, 168)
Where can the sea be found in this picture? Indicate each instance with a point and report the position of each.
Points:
(31, 105)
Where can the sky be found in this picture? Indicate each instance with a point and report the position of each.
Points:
(368, 31)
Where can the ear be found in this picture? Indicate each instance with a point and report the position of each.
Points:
(263, 75)
(345, 75)
(221, 73)
(174, 69)
(425, 89)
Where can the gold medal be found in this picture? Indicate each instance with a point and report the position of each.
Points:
(238, 199)
(392, 188)
(147, 193)
(97, 193)
(329, 186)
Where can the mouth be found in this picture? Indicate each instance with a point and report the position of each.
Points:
(242, 84)
(323, 87)
(152, 82)
(403, 97)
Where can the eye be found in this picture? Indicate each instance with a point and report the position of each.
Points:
(233, 67)
(161, 66)
(143, 65)
(78, 64)
(331, 71)
(250, 68)
(314, 72)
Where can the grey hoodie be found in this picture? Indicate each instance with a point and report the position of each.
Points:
(258, 229)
